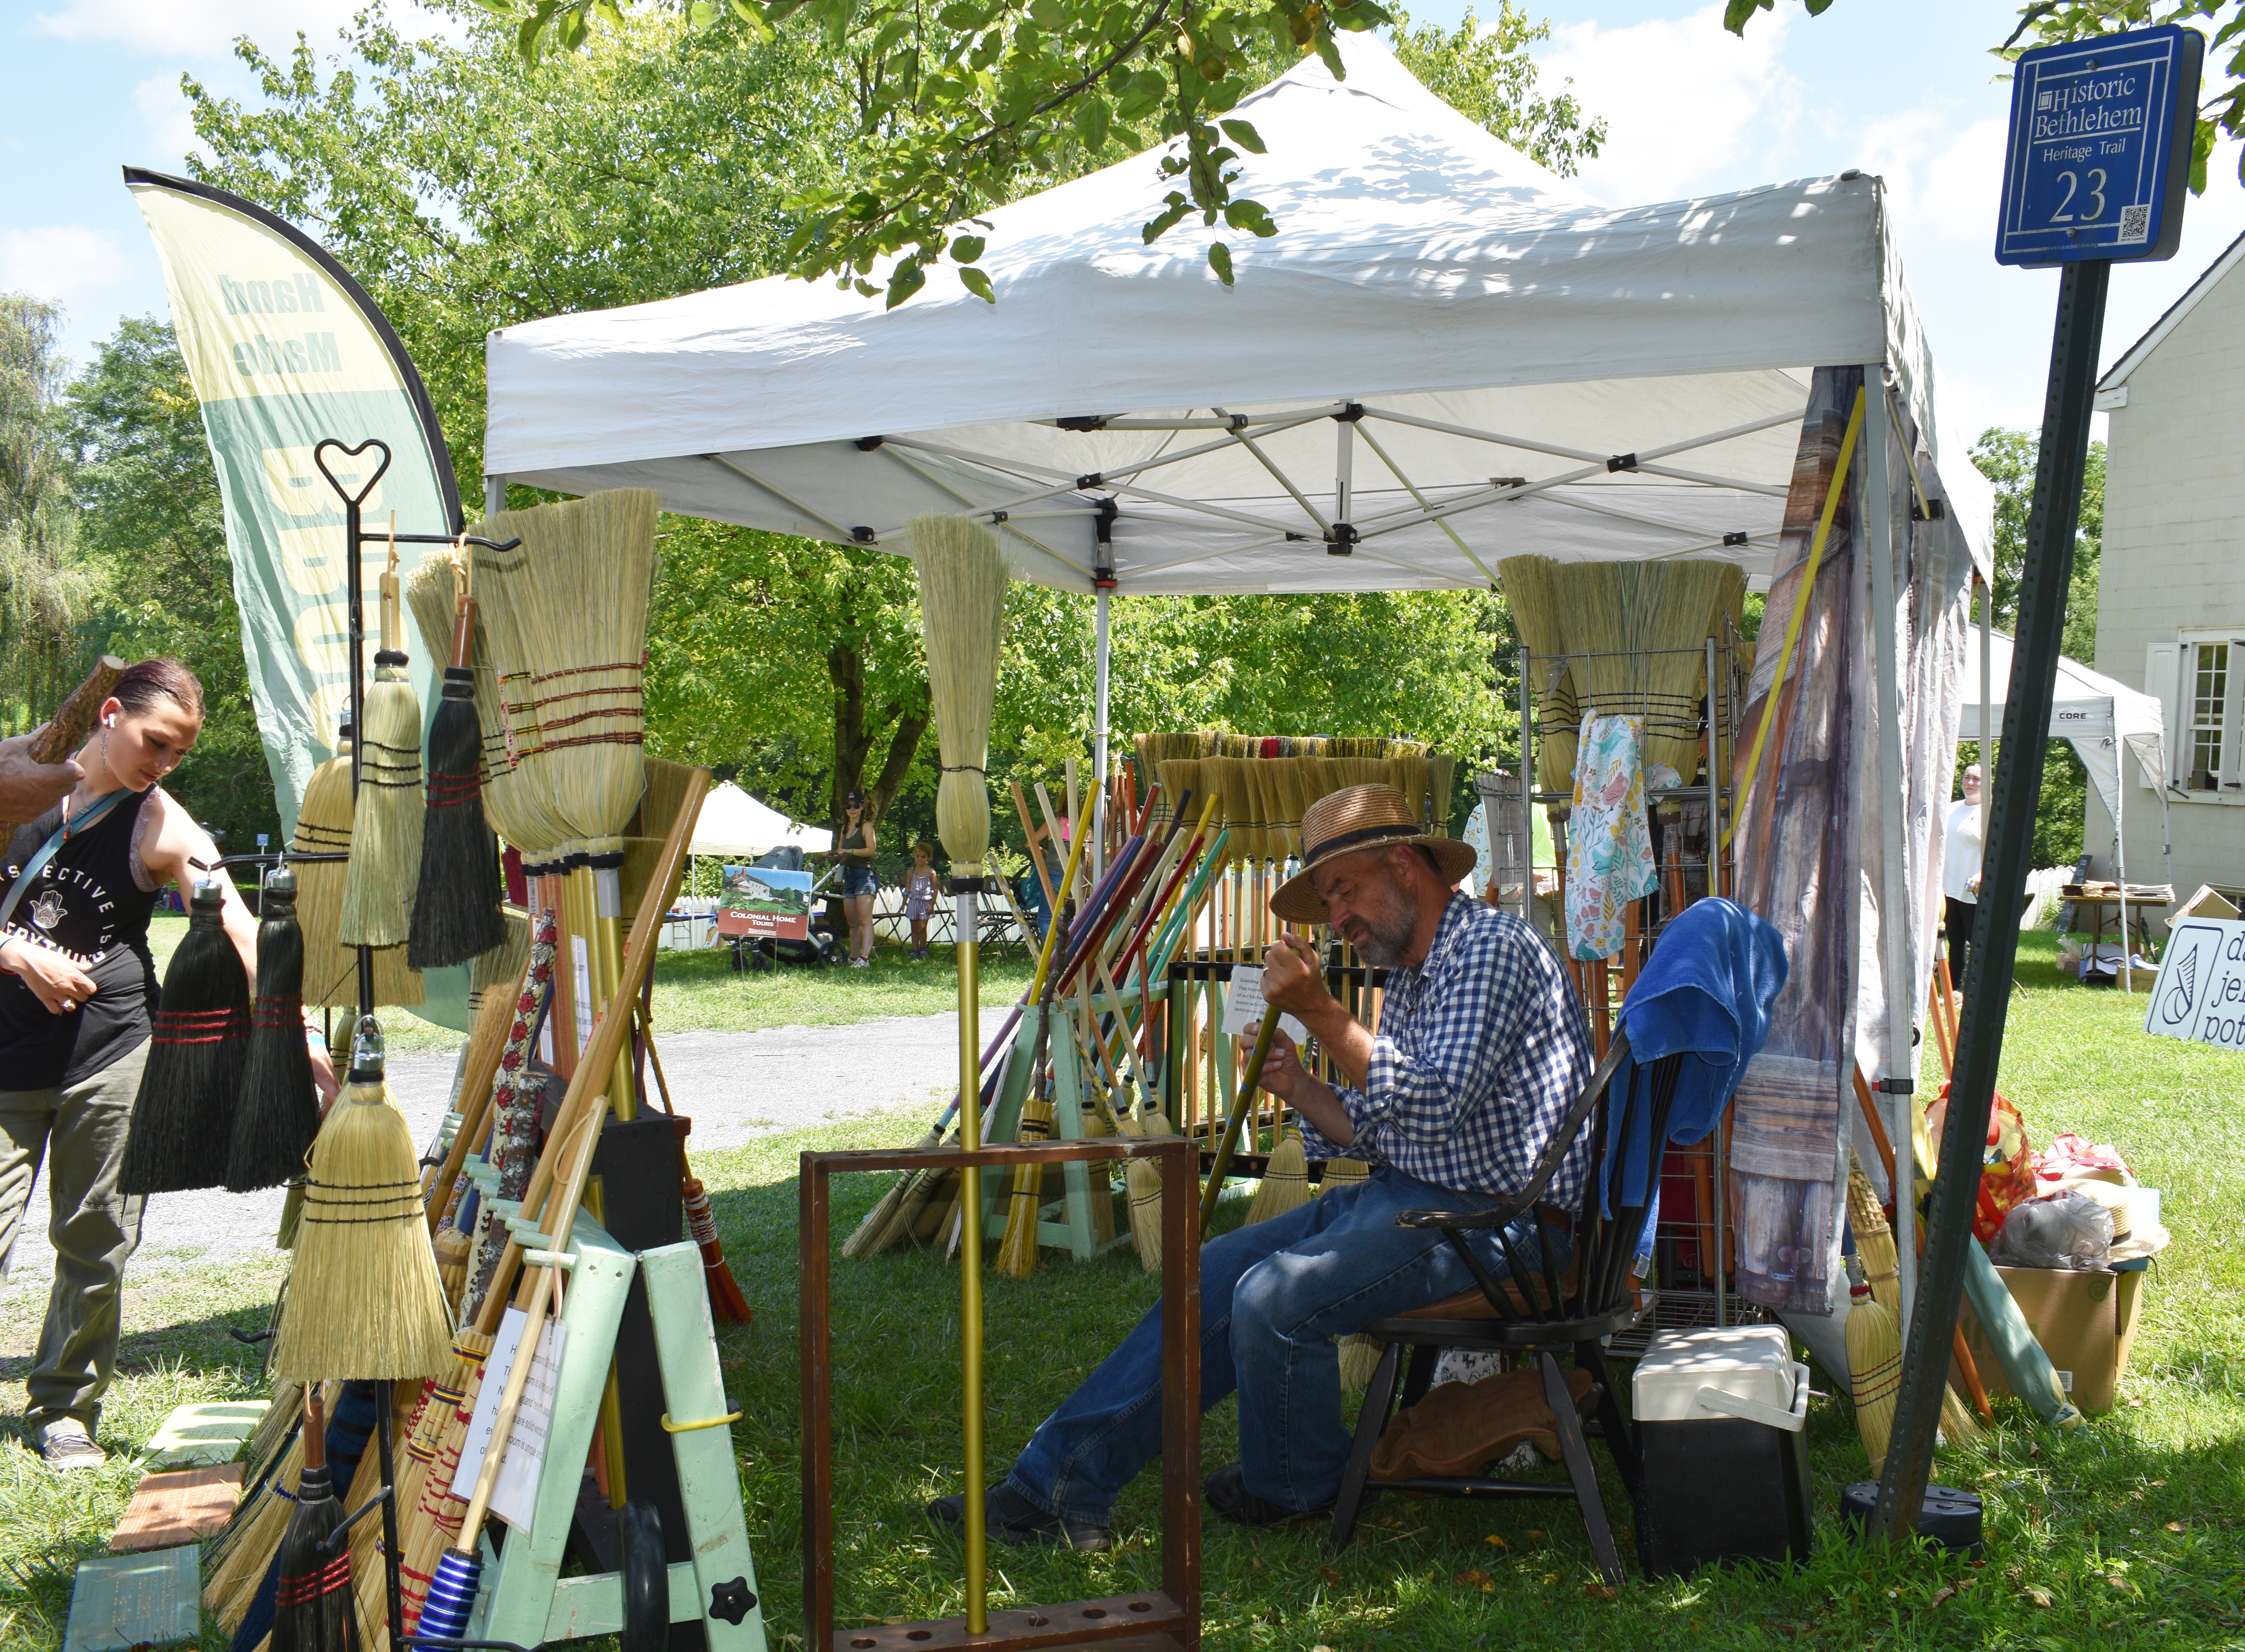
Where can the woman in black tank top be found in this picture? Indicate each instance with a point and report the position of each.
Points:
(78, 988)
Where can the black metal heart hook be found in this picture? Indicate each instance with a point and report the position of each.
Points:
(319, 458)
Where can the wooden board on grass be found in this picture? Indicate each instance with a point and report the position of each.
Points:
(211, 1431)
(180, 1507)
(135, 1600)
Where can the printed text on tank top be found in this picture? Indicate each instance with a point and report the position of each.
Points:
(70, 909)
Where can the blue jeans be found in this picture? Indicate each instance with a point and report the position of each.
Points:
(1274, 1296)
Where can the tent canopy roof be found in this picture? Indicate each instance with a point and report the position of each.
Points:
(732, 823)
(1512, 346)
(2092, 711)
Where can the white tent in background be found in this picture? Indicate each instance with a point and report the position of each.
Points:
(2097, 714)
(732, 823)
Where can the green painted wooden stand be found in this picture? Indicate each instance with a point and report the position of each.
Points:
(524, 1599)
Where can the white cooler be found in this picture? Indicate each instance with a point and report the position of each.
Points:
(1719, 1416)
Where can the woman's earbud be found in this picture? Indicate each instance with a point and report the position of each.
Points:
(110, 721)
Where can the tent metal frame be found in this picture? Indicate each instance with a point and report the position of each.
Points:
(1343, 532)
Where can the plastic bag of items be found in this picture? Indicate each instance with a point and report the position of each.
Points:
(2067, 1229)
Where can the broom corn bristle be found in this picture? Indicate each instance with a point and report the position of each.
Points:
(1017, 1251)
(323, 826)
(962, 598)
(1874, 1369)
(531, 817)
(1286, 1178)
(279, 1113)
(364, 1296)
(587, 602)
(1359, 1357)
(385, 848)
(182, 1124)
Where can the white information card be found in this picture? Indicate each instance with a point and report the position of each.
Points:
(515, 1494)
(1243, 1007)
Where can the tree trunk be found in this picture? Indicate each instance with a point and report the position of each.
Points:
(855, 735)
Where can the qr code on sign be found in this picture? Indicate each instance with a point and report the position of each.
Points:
(2135, 224)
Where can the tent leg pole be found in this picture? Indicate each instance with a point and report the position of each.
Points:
(1099, 741)
(494, 495)
(1894, 886)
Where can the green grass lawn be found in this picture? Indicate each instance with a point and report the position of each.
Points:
(2129, 1532)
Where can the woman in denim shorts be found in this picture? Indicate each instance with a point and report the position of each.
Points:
(853, 847)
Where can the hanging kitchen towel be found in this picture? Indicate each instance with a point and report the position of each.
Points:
(1611, 859)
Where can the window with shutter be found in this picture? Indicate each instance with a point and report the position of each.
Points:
(2213, 716)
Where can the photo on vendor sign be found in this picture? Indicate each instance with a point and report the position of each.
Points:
(764, 901)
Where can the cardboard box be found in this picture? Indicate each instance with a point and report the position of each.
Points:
(2085, 1323)
(2207, 902)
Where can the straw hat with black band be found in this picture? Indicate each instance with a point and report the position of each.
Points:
(1348, 822)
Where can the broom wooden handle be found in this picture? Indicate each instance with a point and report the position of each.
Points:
(586, 1089)
(74, 719)
(484, 1056)
(584, 1140)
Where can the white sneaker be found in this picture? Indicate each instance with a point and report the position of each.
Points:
(66, 1445)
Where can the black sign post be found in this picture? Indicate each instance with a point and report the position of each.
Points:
(2100, 150)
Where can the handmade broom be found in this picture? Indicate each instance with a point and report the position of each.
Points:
(386, 851)
(313, 1583)
(279, 1113)
(323, 827)
(456, 907)
(365, 1297)
(962, 598)
(183, 1115)
(1285, 1180)
(1536, 613)
(1873, 1364)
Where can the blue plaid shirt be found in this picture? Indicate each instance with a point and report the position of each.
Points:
(1482, 1049)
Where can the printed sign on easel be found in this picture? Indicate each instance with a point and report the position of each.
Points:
(516, 1493)
(2200, 991)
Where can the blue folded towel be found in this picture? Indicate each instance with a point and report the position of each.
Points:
(1705, 994)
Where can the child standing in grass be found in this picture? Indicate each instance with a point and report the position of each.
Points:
(919, 898)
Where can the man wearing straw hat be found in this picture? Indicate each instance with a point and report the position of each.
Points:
(1481, 1050)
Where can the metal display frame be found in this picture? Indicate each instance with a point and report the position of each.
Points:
(1167, 1618)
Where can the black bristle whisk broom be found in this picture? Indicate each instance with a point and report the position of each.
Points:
(279, 1113)
(305, 1585)
(183, 1116)
(455, 908)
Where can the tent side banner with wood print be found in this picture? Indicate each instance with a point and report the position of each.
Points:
(286, 351)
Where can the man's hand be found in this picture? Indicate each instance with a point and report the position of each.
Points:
(28, 789)
(1292, 979)
(1285, 1077)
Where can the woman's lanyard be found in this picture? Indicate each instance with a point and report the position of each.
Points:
(64, 833)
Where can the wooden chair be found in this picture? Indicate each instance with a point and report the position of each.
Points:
(1547, 1311)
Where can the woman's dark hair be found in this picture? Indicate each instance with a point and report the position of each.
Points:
(162, 678)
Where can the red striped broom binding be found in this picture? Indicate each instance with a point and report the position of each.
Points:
(182, 1123)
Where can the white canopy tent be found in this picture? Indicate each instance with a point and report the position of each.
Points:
(732, 823)
(2096, 713)
(1445, 357)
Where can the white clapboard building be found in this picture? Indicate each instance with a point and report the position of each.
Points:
(2171, 587)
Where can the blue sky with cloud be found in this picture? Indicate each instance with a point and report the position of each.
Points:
(1901, 88)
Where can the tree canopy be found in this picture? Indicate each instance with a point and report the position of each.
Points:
(469, 189)
(964, 107)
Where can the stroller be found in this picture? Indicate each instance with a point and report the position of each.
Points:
(759, 953)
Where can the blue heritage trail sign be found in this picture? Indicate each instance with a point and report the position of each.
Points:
(2100, 149)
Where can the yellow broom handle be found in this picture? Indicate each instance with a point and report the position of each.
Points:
(1053, 925)
(1800, 612)
(517, 1377)
(610, 1032)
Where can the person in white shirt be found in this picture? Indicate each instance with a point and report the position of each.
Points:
(1960, 874)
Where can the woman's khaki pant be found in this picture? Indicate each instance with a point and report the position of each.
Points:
(79, 1130)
